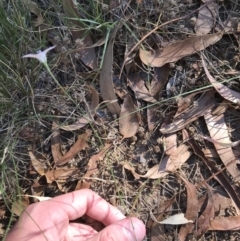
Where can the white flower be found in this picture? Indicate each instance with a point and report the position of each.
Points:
(41, 55)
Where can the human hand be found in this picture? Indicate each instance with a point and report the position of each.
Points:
(49, 220)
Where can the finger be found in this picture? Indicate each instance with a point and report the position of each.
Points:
(128, 229)
(80, 232)
(76, 204)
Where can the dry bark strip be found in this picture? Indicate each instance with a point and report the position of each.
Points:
(79, 145)
(219, 132)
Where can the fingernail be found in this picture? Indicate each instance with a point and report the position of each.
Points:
(134, 229)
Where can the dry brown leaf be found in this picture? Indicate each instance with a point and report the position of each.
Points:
(225, 223)
(33, 7)
(192, 209)
(106, 82)
(182, 120)
(128, 121)
(167, 165)
(203, 222)
(206, 18)
(62, 173)
(219, 132)
(56, 143)
(220, 177)
(83, 121)
(178, 50)
(139, 88)
(88, 55)
(39, 166)
(185, 102)
(92, 168)
(79, 145)
(223, 90)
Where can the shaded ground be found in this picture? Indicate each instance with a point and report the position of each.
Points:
(155, 93)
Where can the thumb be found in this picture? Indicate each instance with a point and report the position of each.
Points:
(128, 229)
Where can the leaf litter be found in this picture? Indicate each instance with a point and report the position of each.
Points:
(130, 115)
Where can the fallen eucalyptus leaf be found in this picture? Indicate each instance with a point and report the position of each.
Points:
(128, 121)
(178, 50)
(176, 219)
(106, 82)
